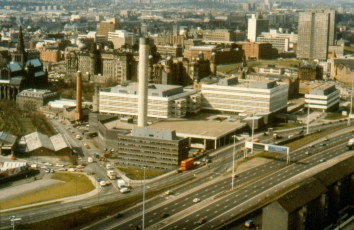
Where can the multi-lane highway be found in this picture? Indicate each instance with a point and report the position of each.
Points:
(184, 212)
(205, 183)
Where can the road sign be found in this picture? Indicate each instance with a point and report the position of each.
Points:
(277, 149)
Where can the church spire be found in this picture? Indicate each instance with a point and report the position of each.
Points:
(20, 43)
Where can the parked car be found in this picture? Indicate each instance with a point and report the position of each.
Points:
(71, 170)
(62, 169)
(60, 165)
(48, 164)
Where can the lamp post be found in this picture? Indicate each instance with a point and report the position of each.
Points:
(13, 220)
(308, 118)
(252, 130)
(233, 165)
(143, 225)
(351, 100)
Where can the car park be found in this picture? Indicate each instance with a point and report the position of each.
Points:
(196, 200)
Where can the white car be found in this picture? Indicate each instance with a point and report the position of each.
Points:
(62, 169)
(71, 170)
(48, 164)
(102, 183)
(168, 192)
(196, 200)
(80, 167)
(59, 165)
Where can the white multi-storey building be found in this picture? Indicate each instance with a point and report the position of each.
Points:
(230, 96)
(324, 97)
(164, 101)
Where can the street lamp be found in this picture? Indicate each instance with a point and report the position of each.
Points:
(351, 99)
(144, 200)
(308, 118)
(13, 220)
(233, 165)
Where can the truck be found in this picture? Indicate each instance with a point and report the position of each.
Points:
(276, 136)
(187, 164)
(350, 144)
(121, 184)
(111, 174)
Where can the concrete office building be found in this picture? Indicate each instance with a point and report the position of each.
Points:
(281, 44)
(316, 32)
(324, 97)
(163, 101)
(234, 97)
(256, 25)
(152, 148)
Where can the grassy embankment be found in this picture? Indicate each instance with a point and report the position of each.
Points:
(73, 184)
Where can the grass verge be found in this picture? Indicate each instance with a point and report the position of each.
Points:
(77, 220)
(73, 184)
(138, 174)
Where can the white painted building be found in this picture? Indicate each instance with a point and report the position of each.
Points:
(324, 97)
(229, 95)
(164, 101)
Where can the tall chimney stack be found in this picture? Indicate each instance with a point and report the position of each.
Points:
(78, 110)
(95, 101)
(143, 81)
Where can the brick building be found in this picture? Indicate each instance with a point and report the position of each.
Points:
(49, 55)
(310, 72)
(255, 50)
(33, 99)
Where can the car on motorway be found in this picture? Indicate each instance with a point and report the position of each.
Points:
(307, 152)
(201, 220)
(164, 215)
(311, 145)
(196, 200)
(326, 139)
(322, 159)
(168, 192)
(118, 215)
(322, 144)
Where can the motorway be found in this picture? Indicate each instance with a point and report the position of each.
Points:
(260, 182)
(208, 182)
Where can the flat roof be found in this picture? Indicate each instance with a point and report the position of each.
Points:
(203, 125)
